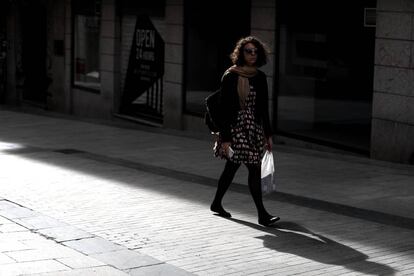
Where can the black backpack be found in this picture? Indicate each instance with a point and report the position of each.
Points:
(212, 115)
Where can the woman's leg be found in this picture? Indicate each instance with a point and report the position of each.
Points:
(255, 187)
(224, 182)
(256, 191)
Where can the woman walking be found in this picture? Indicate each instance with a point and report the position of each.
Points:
(245, 130)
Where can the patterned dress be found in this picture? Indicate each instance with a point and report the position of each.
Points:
(247, 135)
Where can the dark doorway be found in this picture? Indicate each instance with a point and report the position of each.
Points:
(211, 31)
(3, 51)
(33, 22)
(325, 65)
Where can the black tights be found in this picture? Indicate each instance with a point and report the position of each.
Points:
(227, 176)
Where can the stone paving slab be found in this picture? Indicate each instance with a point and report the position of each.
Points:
(11, 228)
(4, 259)
(16, 212)
(161, 270)
(32, 267)
(39, 222)
(93, 245)
(80, 262)
(94, 271)
(53, 251)
(126, 259)
(64, 233)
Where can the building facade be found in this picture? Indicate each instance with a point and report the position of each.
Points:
(340, 79)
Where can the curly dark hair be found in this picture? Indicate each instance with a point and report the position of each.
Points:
(262, 51)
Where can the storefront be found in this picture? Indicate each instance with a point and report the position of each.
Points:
(337, 72)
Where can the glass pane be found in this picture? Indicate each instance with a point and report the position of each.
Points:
(326, 62)
(209, 42)
(87, 25)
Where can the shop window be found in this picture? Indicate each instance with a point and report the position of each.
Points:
(208, 45)
(325, 72)
(87, 25)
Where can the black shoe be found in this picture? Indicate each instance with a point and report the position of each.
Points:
(220, 211)
(268, 221)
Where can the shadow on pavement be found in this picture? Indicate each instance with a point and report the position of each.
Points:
(292, 238)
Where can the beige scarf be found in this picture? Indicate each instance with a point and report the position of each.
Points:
(243, 86)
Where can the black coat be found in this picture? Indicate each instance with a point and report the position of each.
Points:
(230, 103)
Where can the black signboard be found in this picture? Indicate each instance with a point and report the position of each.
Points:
(145, 71)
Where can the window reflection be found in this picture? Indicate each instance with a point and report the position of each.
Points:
(87, 25)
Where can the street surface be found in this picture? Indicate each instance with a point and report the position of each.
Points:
(67, 184)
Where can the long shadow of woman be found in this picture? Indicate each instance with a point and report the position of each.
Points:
(292, 238)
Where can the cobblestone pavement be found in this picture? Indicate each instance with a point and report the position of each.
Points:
(166, 217)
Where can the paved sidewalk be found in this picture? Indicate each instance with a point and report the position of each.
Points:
(34, 244)
(374, 189)
(147, 191)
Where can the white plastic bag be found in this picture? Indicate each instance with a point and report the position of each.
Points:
(267, 174)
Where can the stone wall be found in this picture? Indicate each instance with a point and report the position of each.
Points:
(392, 135)
(263, 25)
(174, 60)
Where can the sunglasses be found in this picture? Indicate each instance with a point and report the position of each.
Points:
(250, 51)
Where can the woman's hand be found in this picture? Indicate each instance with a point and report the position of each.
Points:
(225, 148)
(269, 143)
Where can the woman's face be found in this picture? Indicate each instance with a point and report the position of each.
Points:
(250, 54)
